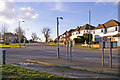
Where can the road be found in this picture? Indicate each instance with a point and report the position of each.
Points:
(17, 56)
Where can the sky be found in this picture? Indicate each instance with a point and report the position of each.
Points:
(38, 15)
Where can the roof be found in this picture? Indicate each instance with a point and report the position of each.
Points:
(9, 34)
(100, 26)
(86, 27)
(112, 23)
(71, 30)
(108, 24)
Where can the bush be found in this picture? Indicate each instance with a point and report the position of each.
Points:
(55, 41)
(79, 39)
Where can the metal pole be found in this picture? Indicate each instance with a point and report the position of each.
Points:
(70, 50)
(67, 49)
(19, 34)
(110, 54)
(89, 29)
(58, 55)
(103, 53)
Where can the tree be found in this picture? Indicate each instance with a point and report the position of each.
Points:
(34, 37)
(86, 37)
(46, 31)
(4, 29)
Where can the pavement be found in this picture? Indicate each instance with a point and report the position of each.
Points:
(77, 64)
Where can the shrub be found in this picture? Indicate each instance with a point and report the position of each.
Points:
(79, 39)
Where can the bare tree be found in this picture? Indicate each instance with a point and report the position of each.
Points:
(4, 28)
(21, 31)
(34, 37)
(46, 31)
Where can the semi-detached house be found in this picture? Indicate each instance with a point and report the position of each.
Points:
(108, 29)
(79, 31)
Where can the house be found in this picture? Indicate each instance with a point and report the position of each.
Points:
(79, 31)
(9, 37)
(66, 35)
(108, 29)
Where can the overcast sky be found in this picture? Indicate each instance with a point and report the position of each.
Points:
(43, 14)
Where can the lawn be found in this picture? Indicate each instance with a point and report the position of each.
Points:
(86, 47)
(50, 43)
(12, 45)
(16, 72)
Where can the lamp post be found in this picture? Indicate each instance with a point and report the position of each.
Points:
(89, 31)
(19, 32)
(58, 54)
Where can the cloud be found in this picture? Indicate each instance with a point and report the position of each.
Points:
(27, 14)
(7, 12)
(9, 15)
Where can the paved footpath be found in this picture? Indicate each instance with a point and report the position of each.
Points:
(77, 64)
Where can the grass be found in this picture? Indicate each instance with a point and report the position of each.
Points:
(50, 43)
(12, 45)
(86, 47)
(16, 72)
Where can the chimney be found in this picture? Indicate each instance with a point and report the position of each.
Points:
(98, 24)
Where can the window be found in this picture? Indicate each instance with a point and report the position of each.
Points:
(101, 30)
(105, 30)
(116, 28)
(93, 32)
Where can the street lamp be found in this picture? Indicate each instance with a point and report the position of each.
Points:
(19, 32)
(58, 54)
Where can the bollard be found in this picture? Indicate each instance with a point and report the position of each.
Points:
(4, 56)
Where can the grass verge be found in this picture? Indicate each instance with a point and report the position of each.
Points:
(50, 43)
(86, 47)
(18, 73)
(12, 45)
